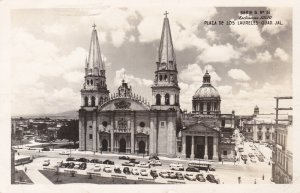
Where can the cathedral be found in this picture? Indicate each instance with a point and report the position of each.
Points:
(124, 122)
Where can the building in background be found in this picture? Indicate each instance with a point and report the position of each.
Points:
(282, 154)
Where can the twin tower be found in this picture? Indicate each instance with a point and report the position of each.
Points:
(165, 90)
(124, 122)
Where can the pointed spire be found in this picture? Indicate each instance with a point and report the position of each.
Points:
(94, 60)
(166, 51)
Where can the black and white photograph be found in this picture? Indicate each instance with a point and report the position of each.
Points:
(168, 93)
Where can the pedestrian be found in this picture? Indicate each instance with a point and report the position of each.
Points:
(25, 169)
(254, 181)
(18, 153)
(239, 179)
(222, 161)
(263, 177)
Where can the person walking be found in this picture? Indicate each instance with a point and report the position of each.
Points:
(239, 179)
(263, 177)
(25, 169)
(254, 181)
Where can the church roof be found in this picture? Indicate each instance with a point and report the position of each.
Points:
(94, 59)
(166, 51)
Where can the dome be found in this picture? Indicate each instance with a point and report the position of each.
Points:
(206, 92)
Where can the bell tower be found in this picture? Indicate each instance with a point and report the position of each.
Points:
(94, 92)
(165, 90)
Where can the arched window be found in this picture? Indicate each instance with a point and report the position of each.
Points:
(166, 77)
(93, 101)
(92, 82)
(167, 99)
(86, 101)
(158, 98)
(88, 82)
(160, 77)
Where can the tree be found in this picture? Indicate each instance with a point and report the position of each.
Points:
(69, 131)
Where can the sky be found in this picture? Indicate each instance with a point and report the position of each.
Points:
(249, 64)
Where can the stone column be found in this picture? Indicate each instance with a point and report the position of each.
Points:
(136, 146)
(132, 121)
(146, 145)
(172, 99)
(183, 154)
(162, 99)
(94, 147)
(192, 148)
(112, 140)
(152, 140)
(205, 148)
(215, 149)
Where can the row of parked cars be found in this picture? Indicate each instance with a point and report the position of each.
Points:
(108, 162)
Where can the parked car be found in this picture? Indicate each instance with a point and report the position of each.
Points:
(253, 160)
(192, 169)
(153, 173)
(96, 161)
(261, 159)
(70, 159)
(154, 157)
(176, 166)
(124, 157)
(154, 162)
(46, 149)
(250, 155)
(108, 162)
(82, 160)
(77, 166)
(179, 176)
(144, 172)
(71, 165)
(46, 163)
(64, 153)
(31, 148)
(135, 171)
(164, 174)
(211, 178)
(126, 170)
(83, 166)
(190, 177)
(172, 175)
(128, 164)
(143, 165)
(132, 160)
(244, 157)
(97, 168)
(107, 169)
(200, 177)
(117, 170)
(65, 165)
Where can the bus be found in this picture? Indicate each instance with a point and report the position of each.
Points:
(202, 165)
(22, 159)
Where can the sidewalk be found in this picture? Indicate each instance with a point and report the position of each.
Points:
(35, 176)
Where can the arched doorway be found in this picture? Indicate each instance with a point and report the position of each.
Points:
(104, 145)
(122, 145)
(142, 147)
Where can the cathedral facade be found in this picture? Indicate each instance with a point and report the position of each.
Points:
(124, 122)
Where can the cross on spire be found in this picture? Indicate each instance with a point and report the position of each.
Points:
(94, 26)
(166, 14)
